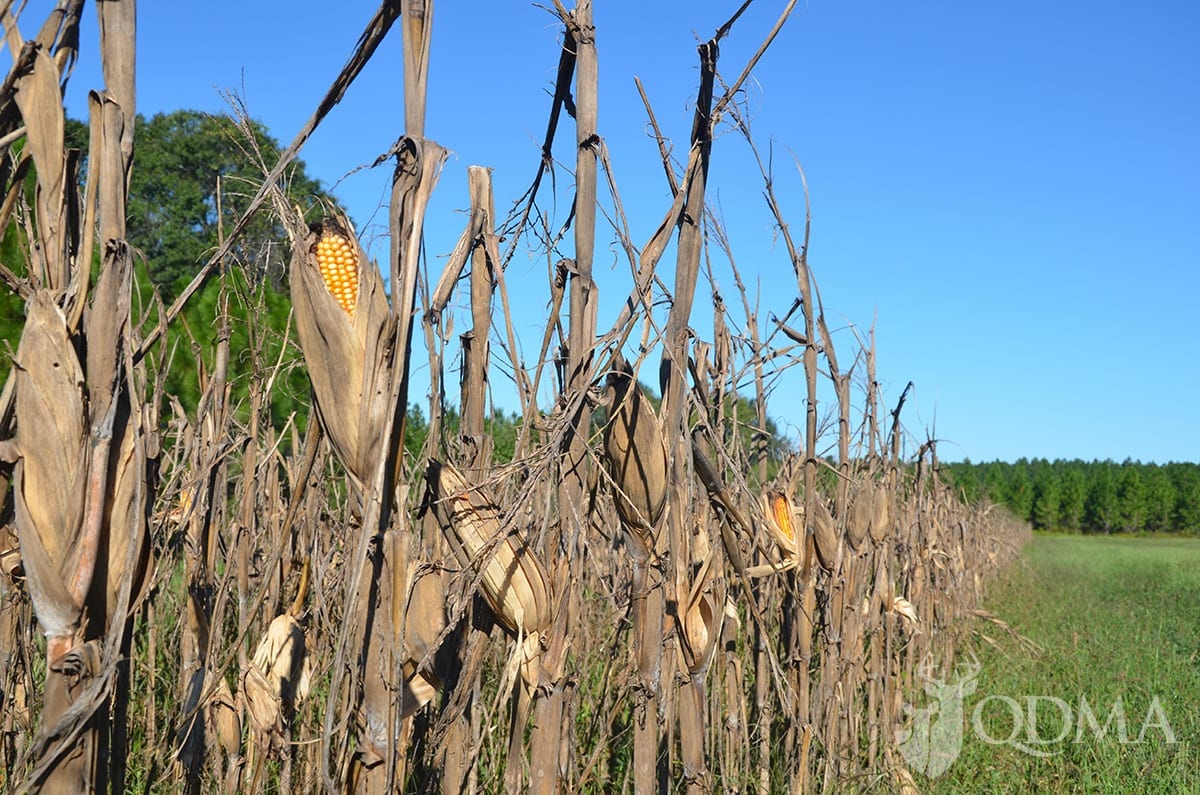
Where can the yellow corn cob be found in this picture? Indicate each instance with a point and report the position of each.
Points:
(781, 510)
(338, 262)
(781, 522)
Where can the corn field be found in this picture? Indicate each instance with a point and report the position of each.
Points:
(643, 599)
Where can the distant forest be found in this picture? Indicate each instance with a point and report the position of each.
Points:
(1095, 497)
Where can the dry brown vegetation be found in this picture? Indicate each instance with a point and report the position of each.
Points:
(640, 600)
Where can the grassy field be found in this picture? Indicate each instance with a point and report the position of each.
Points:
(1112, 618)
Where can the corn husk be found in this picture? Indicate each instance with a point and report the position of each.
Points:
(514, 582)
(781, 521)
(881, 593)
(348, 356)
(127, 537)
(224, 720)
(50, 475)
(635, 453)
(424, 624)
(276, 681)
(126, 518)
(824, 532)
(858, 519)
(703, 619)
(880, 513)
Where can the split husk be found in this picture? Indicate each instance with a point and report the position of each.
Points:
(348, 356)
(513, 580)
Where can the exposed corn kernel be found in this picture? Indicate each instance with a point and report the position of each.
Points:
(338, 263)
(782, 513)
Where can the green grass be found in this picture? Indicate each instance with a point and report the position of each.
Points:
(1114, 618)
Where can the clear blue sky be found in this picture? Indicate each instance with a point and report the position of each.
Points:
(1010, 190)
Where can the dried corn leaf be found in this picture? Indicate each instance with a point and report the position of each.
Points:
(767, 569)
(416, 691)
(905, 609)
(514, 581)
(40, 100)
(10, 553)
(904, 783)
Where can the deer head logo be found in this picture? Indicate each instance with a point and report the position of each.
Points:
(933, 738)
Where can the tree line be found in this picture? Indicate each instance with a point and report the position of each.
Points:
(1088, 497)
